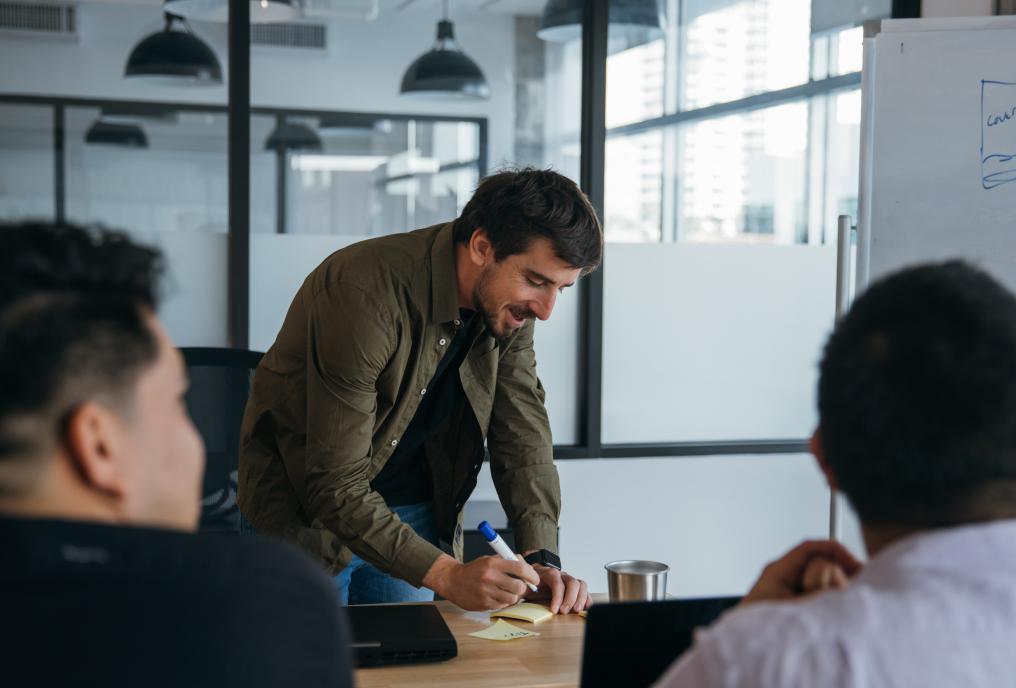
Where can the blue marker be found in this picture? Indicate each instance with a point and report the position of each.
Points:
(503, 550)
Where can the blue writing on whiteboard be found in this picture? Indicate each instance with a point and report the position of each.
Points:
(998, 133)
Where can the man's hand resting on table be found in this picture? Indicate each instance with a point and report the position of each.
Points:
(566, 593)
(484, 584)
(809, 568)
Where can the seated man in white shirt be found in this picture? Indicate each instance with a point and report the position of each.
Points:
(917, 405)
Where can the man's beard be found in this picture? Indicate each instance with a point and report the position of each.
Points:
(487, 308)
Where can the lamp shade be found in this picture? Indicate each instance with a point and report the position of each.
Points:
(445, 72)
(261, 11)
(293, 136)
(173, 58)
(108, 134)
(632, 21)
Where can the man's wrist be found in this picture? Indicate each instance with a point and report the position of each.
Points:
(438, 573)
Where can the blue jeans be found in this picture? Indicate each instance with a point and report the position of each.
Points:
(361, 583)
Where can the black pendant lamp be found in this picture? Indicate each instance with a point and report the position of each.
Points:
(109, 134)
(293, 136)
(174, 58)
(632, 22)
(261, 11)
(445, 72)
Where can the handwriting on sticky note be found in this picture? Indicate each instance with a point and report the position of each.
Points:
(502, 630)
(526, 611)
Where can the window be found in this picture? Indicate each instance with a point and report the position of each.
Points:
(733, 143)
(731, 149)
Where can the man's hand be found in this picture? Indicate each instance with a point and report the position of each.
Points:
(785, 579)
(481, 584)
(566, 593)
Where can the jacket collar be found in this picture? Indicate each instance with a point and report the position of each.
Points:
(444, 280)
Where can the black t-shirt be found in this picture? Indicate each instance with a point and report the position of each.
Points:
(404, 479)
(84, 604)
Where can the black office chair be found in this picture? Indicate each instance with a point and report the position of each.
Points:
(220, 384)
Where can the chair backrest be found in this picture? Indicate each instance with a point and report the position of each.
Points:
(220, 381)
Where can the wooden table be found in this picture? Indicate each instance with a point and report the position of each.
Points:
(553, 660)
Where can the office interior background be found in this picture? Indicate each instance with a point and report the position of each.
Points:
(730, 148)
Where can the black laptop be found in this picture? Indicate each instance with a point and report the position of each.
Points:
(631, 644)
(399, 634)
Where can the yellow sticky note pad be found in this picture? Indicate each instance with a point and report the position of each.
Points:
(525, 611)
(502, 630)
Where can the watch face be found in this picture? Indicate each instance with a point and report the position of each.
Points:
(544, 557)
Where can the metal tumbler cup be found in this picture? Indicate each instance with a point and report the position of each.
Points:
(637, 581)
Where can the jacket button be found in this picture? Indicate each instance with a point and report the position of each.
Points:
(443, 342)
(394, 442)
(458, 322)
(423, 391)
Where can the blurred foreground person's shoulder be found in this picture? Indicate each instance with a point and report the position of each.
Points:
(92, 604)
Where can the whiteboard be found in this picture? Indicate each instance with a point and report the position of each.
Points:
(939, 130)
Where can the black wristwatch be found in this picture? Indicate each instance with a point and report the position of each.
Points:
(544, 557)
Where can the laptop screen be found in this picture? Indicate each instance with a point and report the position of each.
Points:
(631, 644)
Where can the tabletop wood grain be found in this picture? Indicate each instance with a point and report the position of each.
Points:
(552, 660)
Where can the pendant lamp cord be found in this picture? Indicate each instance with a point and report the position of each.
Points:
(170, 18)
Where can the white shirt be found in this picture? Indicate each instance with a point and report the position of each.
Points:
(935, 609)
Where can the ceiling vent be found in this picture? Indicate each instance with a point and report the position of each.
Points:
(283, 35)
(37, 19)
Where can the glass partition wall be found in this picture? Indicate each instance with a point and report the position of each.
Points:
(731, 149)
(728, 150)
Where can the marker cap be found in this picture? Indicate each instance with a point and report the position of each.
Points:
(487, 531)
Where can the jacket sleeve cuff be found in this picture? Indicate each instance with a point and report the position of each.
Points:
(535, 534)
(414, 560)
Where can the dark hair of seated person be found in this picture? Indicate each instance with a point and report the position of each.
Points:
(917, 399)
(72, 327)
(92, 600)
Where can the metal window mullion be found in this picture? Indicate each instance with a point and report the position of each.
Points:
(59, 165)
(593, 138)
(792, 94)
(239, 175)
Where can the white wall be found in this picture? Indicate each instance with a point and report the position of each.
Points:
(715, 520)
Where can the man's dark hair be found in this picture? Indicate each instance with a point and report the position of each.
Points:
(73, 304)
(917, 398)
(517, 207)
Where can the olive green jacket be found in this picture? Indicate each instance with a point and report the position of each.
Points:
(333, 395)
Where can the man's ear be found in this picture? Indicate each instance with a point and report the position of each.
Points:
(481, 252)
(95, 439)
(815, 446)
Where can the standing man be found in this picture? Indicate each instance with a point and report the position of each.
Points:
(399, 357)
